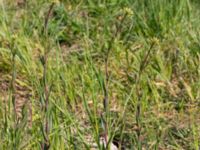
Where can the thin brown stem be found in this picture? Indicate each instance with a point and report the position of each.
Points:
(46, 144)
(47, 17)
(13, 86)
(13, 91)
(106, 88)
(143, 65)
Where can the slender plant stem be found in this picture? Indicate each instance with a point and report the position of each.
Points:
(106, 86)
(46, 144)
(143, 65)
(13, 86)
(13, 93)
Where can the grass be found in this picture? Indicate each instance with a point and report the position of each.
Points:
(74, 71)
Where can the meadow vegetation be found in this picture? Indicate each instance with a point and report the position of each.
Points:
(73, 71)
